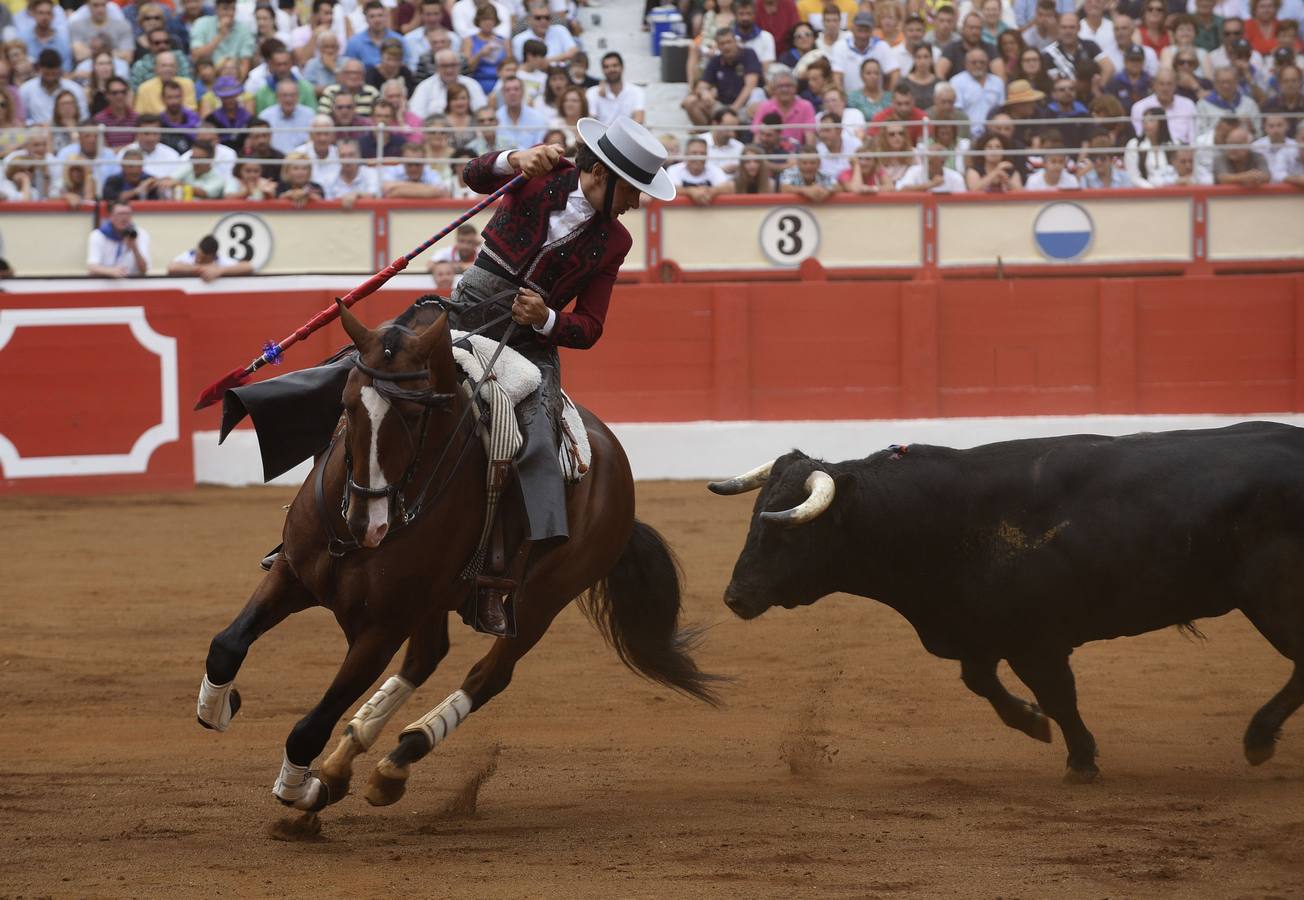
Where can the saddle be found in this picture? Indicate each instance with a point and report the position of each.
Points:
(496, 579)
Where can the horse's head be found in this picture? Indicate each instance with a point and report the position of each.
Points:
(401, 378)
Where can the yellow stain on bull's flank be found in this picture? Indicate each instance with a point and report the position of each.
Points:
(1018, 542)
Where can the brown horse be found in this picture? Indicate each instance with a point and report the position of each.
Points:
(413, 500)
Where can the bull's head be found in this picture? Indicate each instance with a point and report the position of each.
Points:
(788, 557)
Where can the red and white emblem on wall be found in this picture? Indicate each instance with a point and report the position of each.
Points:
(89, 392)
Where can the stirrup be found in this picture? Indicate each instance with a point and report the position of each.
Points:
(492, 606)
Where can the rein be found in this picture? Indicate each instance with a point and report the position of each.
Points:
(401, 512)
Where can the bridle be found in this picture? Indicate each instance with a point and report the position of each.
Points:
(401, 511)
(386, 385)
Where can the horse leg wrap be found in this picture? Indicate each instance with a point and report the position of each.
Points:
(370, 719)
(296, 786)
(214, 708)
(439, 723)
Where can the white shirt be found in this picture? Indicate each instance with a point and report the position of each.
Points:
(449, 254)
(834, 163)
(324, 170)
(978, 100)
(710, 176)
(727, 156)
(366, 183)
(289, 131)
(161, 162)
(762, 45)
(557, 38)
(1181, 117)
(1279, 156)
(561, 224)
(104, 166)
(606, 106)
(1037, 182)
(430, 97)
(223, 160)
(102, 251)
(1102, 37)
(848, 60)
(464, 19)
(952, 181)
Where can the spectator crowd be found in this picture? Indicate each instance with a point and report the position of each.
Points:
(817, 97)
(310, 100)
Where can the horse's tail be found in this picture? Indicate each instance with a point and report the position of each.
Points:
(636, 607)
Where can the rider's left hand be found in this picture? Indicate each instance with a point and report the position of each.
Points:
(529, 309)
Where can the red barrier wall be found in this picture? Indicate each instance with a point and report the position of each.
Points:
(682, 352)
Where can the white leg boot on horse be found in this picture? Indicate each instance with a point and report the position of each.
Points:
(426, 650)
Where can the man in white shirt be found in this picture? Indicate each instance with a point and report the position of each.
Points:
(462, 252)
(1179, 111)
(431, 96)
(416, 43)
(352, 180)
(518, 124)
(750, 35)
(44, 180)
(160, 160)
(932, 175)
(977, 91)
(1124, 37)
(860, 45)
(463, 16)
(1095, 27)
(205, 262)
(88, 145)
(413, 178)
(224, 157)
(835, 153)
(321, 149)
(697, 178)
(117, 249)
(289, 119)
(613, 98)
(38, 93)
(561, 45)
(1280, 151)
(723, 148)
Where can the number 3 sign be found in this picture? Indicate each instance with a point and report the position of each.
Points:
(789, 235)
(244, 237)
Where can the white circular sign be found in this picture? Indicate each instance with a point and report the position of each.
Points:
(789, 235)
(244, 237)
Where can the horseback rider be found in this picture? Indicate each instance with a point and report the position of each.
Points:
(535, 266)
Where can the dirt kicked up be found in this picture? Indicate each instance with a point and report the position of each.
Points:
(846, 762)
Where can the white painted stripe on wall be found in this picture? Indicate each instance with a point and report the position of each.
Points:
(694, 450)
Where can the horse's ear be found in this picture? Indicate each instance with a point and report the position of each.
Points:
(357, 332)
(428, 342)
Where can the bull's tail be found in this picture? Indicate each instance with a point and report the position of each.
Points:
(636, 607)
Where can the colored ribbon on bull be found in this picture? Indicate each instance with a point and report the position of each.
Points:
(273, 351)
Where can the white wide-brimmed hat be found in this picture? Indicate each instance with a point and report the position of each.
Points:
(628, 149)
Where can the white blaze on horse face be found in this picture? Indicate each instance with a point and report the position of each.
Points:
(377, 507)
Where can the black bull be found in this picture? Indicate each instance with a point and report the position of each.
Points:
(1024, 550)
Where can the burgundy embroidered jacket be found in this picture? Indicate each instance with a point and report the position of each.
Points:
(581, 267)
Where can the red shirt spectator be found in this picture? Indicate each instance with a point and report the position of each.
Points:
(1261, 28)
(903, 109)
(118, 113)
(777, 17)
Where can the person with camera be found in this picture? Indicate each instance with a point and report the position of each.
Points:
(117, 249)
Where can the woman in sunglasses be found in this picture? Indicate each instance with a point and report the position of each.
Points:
(1190, 84)
(1154, 25)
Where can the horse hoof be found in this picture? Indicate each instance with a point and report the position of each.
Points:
(1038, 726)
(387, 784)
(1258, 755)
(1081, 776)
(337, 770)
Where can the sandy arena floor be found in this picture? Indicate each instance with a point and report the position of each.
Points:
(847, 762)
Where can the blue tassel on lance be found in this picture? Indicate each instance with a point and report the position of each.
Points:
(272, 352)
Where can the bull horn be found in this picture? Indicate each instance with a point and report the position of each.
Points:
(741, 484)
(820, 488)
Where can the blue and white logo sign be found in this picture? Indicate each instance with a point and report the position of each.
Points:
(1063, 231)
